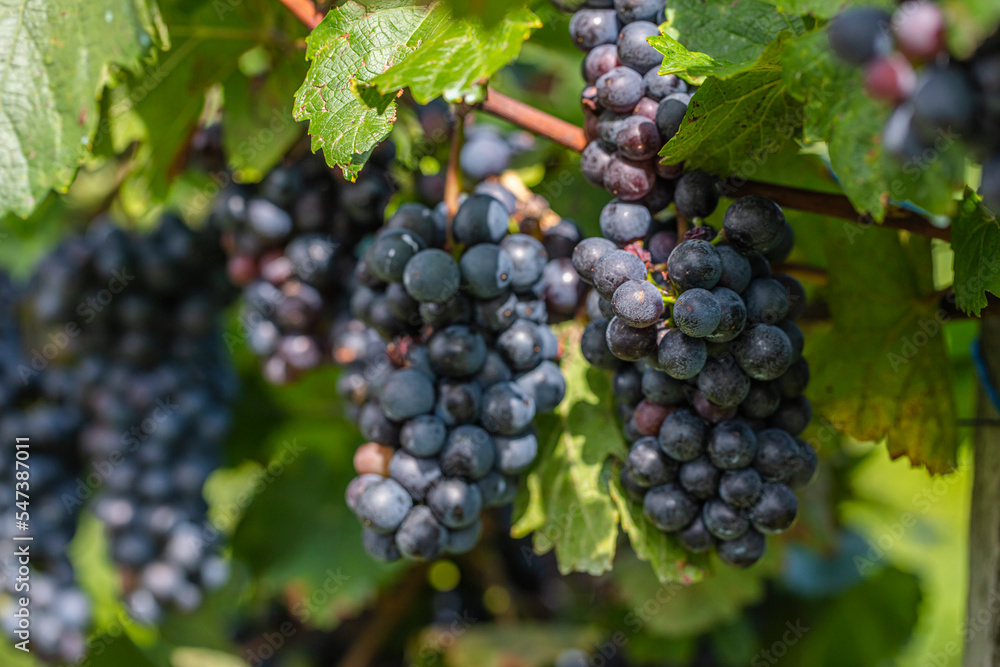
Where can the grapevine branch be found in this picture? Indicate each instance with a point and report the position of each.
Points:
(546, 125)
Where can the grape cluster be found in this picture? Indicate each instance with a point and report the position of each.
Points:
(709, 375)
(291, 243)
(123, 381)
(447, 404)
(631, 110)
(907, 64)
(43, 409)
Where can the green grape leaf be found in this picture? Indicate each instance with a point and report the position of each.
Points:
(354, 44)
(456, 62)
(570, 508)
(838, 112)
(693, 64)
(731, 32)
(728, 122)
(975, 237)
(882, 370)
(969, 23)
(56, 58)
(669, 560)
(818, 8)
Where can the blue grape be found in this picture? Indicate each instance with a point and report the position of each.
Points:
(669, 507)
(406, 394)
(507, 408)
(723, 521)
(529, 258)
(469, 452)
(384, 505)
(694, 263)
(638, 303)
(432, 276)
(480, 219)
(516, 454)
(487, 270)
(754, 225)
(682, 435)
(414, 474)
(423, 436)
(455, 503)
(681, 356)
(421, 536)
(622, 223)
(697, 312)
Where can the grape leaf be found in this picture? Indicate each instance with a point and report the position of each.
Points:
(456, 62)
(975, 237)
(733, 32)
(969, 23)
(838, 112)
(569, 506)
(692, 64)
(354, 44)
(56, 57)
(882, 370)
(819, 8)
(728, 122)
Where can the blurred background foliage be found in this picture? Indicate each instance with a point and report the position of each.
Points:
(874, 574)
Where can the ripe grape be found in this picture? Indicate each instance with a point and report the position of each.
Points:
(859, 34)
(592, 27)
(697, 312)
(647, 466)
(697, 195)
(633, 49)
(615, 268)
(763, 351)
(630, 343)
(586, 254)
(754, 225)
(638, 303)
(744, 551)
(699, 478)
(694, 264)
(432, 276)
(775, 510)
(682, 435)
(629, 180)
(669, 507)
(620, 89)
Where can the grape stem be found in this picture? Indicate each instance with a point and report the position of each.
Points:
(452, 185)
(305, 11)
(546, 125)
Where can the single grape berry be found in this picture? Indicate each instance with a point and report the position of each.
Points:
(638, 303)
(388, 256)
(594, 162)
(421, 536)
(859, 34)
(682, 435)
(507, 409)
(681, 356)
(638, 10)
(487, 270)
(792, 415)
(469, 452)
(695, 537)
(592, 27)
(414, 474)
(723, 383)
(457, 351)
(694, 264)
(614, 269)
(778, 455)
(629, 343)
(406, 394)
(623, 223)
(697, 194)
(383, 506)
(432, 276)
(766, 301)
(586, 254)
(735, 269)
(740, 488)
(659, 85)
(529, 258)
(699, 478)
(521, 345)
(762, 400)
(455, 502)
(423, 436)
(638, 138)
(733, 317)
(754, 225)
(670, 116)
(697, 312)
(724, 521)
(775, 510)
(633, 49)
(620, 89)
(480, 219)
(660, 388)
(732, 445)
(763, 351)
(594, 345)
(744, 551)
(669, 507)
(629, 180)
(647, 465)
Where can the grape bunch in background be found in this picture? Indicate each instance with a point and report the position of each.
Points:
(709, 374)
(447, 403)
(631, 110)
(43, 407)
(291, 243)
(122, 331)
(906, 61)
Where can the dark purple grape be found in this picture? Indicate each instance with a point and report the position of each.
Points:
(620, 89)
(699, 478)
(594, 346)
(622, 222)
(805, 468)
(647, 466)
(778, 455)
(660, 388)
(795, 336)
(660, 245)
(859, 34)
(696, 538)
(697, 195)
(388, 256)
(744, 551)
(697, 312)
(638, 303)
(682, 435)
(766, 301)
(638, 10)
(792, 415)
(432, 276)
(732, 316)
(763, 351)
(775, 510)
(740, 488)
(629, 180)
(724, 521)
(735, 269)
(637, 138)
(793, 382)
(629, 343)
(670, 114)
(732, 445)
(601, 60)
(586, 254)
(763, 399)
(592, 27)
(614, 269)
(723, 383)
(633, 49)
(480, 219)
(694, 264)
(420, 536)
(487, 270)
(669, 507)
(594, 162)
(681, 356)
(659, 85)
(754, 225)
